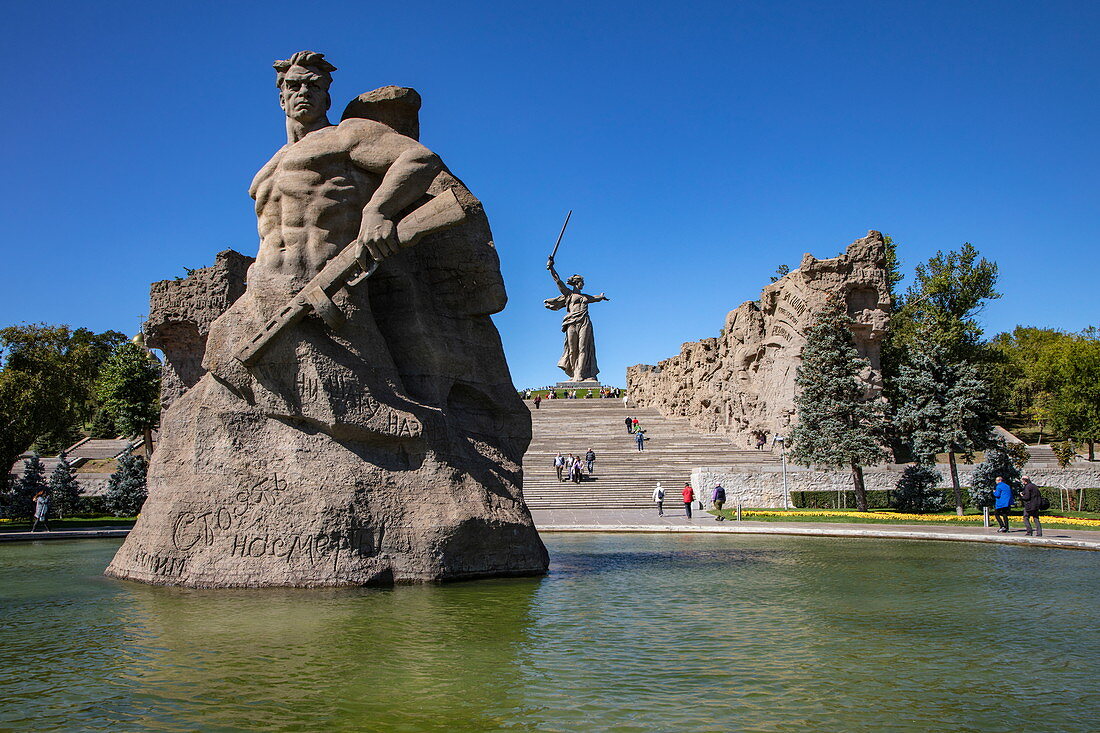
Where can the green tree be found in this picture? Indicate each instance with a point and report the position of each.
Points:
(46, 383)
(781, 272)
(942, 406)
(916, 490)
(939, 307)
(838, 427)
(20, 504)
(942, 304)
(126, 488)
(65, 490)
(129, 390)
(1052, 377)
(102, 425)
(984, 479)
(38, 393)
(1075, 389)
(1065, 452)
(1021, 368)
(893, 265)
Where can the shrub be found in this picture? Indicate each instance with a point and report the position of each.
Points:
(1065, 452)
(20, 501)
(126, 488)
(65, 490)
(916, 491)
(984, 479)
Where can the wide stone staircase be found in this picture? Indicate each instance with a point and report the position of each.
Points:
(624, 477)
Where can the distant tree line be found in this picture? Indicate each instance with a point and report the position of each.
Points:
(58, 385)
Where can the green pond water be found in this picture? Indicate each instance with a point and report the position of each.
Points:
(627, 633)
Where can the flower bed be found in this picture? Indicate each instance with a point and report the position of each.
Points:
(902, 517)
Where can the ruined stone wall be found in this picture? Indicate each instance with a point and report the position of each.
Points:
(742, 383)
(180, 314)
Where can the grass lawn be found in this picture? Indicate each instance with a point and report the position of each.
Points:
(9, 525)
(1079, 520)
(98, 465)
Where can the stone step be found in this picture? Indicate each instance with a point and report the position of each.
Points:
(625, 477)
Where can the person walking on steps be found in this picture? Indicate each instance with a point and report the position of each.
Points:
(640, 438)
(559, 465)
(688, 496)
(718, 498)
(590, 459)
(41, 509)
(659, 499)
(1033, 503)
(629, 425)
(538, 401)
(1002, 500)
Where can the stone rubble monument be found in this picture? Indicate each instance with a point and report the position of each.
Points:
(741, 384)
(578, 359)
(349, 418)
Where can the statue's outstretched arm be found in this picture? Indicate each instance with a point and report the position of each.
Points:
(554, 274)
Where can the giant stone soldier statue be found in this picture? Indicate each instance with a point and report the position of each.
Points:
(357, 423)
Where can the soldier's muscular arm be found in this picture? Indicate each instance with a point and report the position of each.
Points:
(407, 169)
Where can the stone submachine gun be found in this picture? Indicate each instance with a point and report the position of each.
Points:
(350, 267)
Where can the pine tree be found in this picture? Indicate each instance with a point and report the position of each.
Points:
(942, 405)
(65, 490)
(916, 490)
(102, 425)
(984, 479)
(126, 488)
(129, 389)
(21, 502)
(838, 427)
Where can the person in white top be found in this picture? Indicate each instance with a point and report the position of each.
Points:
(41, 509)
(659, 498)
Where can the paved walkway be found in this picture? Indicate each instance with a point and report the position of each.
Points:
(64, 534)
(636, 520)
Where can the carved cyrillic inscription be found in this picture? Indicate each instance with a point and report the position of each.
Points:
(797, 303)
(160, 564)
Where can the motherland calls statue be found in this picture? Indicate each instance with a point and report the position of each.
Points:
(356, 422)
(578, 358)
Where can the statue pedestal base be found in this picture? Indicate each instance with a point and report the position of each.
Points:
(584, 384)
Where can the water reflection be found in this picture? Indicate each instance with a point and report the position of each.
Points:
(627, 632)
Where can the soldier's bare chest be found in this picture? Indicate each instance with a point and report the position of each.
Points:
(312, 169)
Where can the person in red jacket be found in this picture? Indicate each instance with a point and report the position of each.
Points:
(688, 496)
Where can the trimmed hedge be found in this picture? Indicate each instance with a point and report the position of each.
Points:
(829, 500)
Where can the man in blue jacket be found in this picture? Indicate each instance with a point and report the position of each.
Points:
(1002, 499)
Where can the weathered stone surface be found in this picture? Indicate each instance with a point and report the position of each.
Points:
(396, 107)
(180, 314)
(377, 437)
(742, 383)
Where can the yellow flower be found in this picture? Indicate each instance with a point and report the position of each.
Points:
(968, 518)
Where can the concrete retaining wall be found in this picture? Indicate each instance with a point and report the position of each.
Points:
(762, 486)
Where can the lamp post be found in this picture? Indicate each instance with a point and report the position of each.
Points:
(783, 461)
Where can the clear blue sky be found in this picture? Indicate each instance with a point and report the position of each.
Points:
(700, 145)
